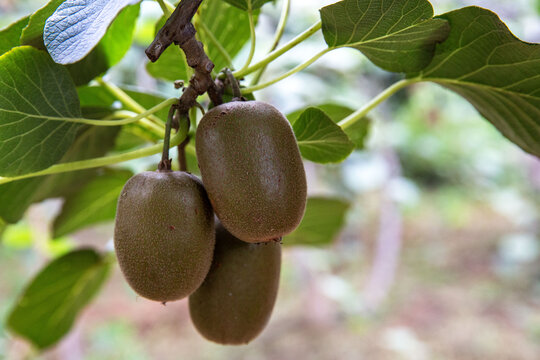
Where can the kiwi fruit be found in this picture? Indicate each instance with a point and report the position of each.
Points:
(164, 234)
(252, 170)
(236, 299)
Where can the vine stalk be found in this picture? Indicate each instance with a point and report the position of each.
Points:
(278, 52)
(385, 94)
(279, 34)
(102, 161)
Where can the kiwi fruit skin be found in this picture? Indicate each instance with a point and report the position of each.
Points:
(236, 299)
(252, 169)
(164, 234)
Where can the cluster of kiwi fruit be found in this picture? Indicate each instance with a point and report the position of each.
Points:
(170, 245)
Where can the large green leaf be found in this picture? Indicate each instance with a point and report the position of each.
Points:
(75, 28)
(33, 86)
(110, 50)
(17, 196)
(33, 33)
(113, 45)
(496, 72)
(94, 203)
(216, 30)
(245, 4)
(322, 221)
(396, 35)
(46, 310)
(357, 133)
(10, 36)
(319, 138)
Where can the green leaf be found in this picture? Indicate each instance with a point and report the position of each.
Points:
(75, 28)
(94, 203)
(322, 221)
(48, 307)
(357, 133)
(3, 226)
(219, 34)
(17, 196)
(319, 138)
(33, 33)
(497, 73)
(110, 50)
(396, 35)
(244, 4)
(33, 86)
(10, 36)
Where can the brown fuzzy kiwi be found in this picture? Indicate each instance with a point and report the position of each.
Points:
(164, 234)
(236, 299)
(252, 169)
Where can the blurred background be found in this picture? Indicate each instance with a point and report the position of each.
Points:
(439, 257)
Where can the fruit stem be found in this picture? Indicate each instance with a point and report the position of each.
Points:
(277, 53)
(182, 163)
(288, 73)
(165, 163)
(279, 33)
(385, 94)
(237, 94)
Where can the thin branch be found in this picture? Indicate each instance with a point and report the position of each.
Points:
(179, 30)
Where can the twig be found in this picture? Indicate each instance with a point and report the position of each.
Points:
(179, 30)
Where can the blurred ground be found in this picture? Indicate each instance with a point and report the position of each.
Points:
(467, 279)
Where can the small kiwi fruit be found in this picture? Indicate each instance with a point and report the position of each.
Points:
(252, 170)
(236, 299)
(164, 234)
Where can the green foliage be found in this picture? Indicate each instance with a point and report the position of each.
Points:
(496, 72)
(395, 35)
(33, 87)
(357, 133)
(319, 138)
(49, 305)
(110, 50)
(10, 36)
(70, 34)
(469, 51)
(33, 33)
(247, 4)
(94, 203)
(16, 196)
(322, 221)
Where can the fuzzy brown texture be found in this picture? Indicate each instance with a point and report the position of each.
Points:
(252, 169)
(235, 302)
(164, 234)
